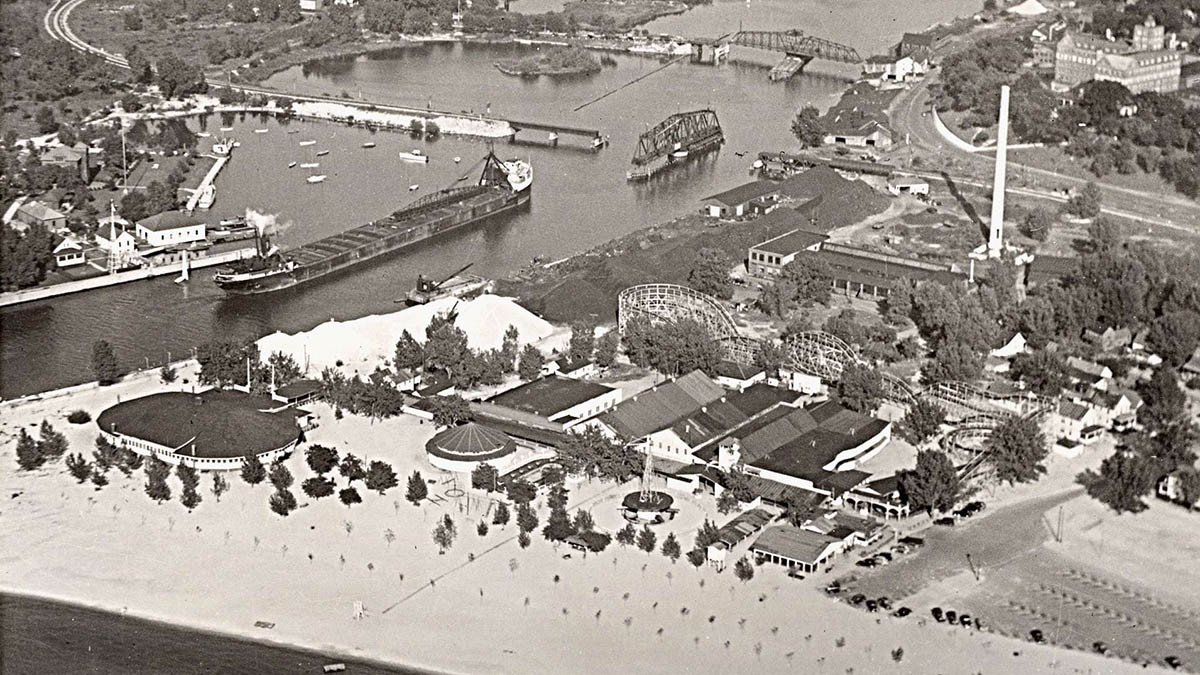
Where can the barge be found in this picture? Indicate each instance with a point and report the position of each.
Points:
(503, 186)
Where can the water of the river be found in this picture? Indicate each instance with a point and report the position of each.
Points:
(580, 198)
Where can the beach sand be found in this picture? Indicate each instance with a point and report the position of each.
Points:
(484, 606)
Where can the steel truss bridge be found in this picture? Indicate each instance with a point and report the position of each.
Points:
(974, 411)
(797, 44)
(680, 130)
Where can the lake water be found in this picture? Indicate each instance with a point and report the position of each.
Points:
(580, 198)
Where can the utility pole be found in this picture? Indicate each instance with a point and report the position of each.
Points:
(974, 570)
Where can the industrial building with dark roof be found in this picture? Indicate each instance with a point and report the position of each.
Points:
(212, 430)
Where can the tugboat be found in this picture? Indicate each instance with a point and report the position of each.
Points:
(504, 185)
(457, 285)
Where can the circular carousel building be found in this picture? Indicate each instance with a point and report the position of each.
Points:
(465, 447)
(212, 431)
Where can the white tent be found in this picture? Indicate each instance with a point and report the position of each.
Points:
(1028, 8)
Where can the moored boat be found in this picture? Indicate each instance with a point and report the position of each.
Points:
(503, 186)
(369, 144)
(414, 156)
(305, 143)
(208, 194)
(322, 153)
(316, 179)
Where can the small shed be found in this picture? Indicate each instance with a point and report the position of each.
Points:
(68, 253)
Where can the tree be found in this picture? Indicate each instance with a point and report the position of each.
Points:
(280, 476)
(1044, 372)
(1086, 203)
(190, 498)
(349, 496)
(409, 354)
(1165, 402)
(583, 341)
(167, 374)
(351, 468)
(808, 128)
(727, 502)
(52, 444)
(1188, 486)
(606, 348)
(104, 363)
(922, 421)
(282, 502)
(584, 521)
(44, 118)
(646, 539)
(188, 477)
(445, 346)
(177, 77)
(769, 357)
(671, 547)
(531, 363)
(590, 453)
(527, 520)
(1124, 479)
(484, 477)
(1174, 336)
(157, 472)
(29, 454)
(743, 570)
(1017, 449)
(253, 471)
(1037, 224)
(482, 528)
(710, 273)
(626, 535)
(500, 517)
(523, 539)
(220, 486)
(559, 525)
(321, 459)
(811, 277)
(416, 489)
(953, 361)
(79, 467)
(860, 388)
(449, 411)
(444, 533)
(380, 477)
(318, 487)
(933, 485)
(521, 491)
(106, 455)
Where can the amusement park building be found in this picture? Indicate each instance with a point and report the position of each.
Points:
(214, 430)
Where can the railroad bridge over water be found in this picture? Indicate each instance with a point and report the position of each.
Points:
(798, 48)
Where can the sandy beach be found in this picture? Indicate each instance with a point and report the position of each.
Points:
(485, 606)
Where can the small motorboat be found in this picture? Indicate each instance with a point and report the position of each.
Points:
(203, 134)
(457, 160)
(293, 131)
(226, 128)
(414, 187)
(310, 165)
(414, 156)
(261, 131)
(208, 194)
(369, 144)
(320, 178)
(322, 153)
(291, 165)
(303, 143)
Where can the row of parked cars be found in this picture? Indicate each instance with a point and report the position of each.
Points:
(953, 618)
(881, 558)
(963, 513)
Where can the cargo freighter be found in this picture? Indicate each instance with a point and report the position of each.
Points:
(503, 186)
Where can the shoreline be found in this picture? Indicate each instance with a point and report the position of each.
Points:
(330, 654)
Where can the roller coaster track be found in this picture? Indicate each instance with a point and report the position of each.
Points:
(975, 411)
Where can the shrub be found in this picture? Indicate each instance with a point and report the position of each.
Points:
(79, 417)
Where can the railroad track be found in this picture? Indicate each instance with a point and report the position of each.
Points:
(56, 24)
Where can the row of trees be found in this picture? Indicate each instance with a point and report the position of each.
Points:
(671, 347)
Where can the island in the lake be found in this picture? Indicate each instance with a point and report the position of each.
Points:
(553, 62)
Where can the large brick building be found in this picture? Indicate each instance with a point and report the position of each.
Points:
(1145, 64)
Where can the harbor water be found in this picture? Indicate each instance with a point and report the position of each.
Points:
(580, 198)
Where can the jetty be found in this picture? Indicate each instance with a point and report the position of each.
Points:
(117, 278)
(208, 179)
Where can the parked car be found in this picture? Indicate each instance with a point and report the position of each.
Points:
(979, 624)
(902, 612)
(913, 542)
(977, 506)
(951, 617)
(945, 521)
(880, 560)
(857, 599)
(1173, 661)
(872, 605)
(899, 549)
(884, 602)
(965, 620)
(1100, 647)
(885, 555)
(834, 588)
(937, 614)
(867, 562)
(1037, 636)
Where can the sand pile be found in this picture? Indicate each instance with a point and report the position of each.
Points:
(363, 344)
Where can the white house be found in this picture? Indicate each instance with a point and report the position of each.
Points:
(170, 228)
(1075, 422)
(119, 240)
(892, 69)
(908, 185)
(68, 253)
(1015, 345)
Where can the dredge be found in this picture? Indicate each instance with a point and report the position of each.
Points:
(675, 140)
(503, 186)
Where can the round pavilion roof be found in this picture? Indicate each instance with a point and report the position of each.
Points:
(471, 442)
(654, 501)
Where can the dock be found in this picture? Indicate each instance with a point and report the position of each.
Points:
(208, 179)
(115, 279)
